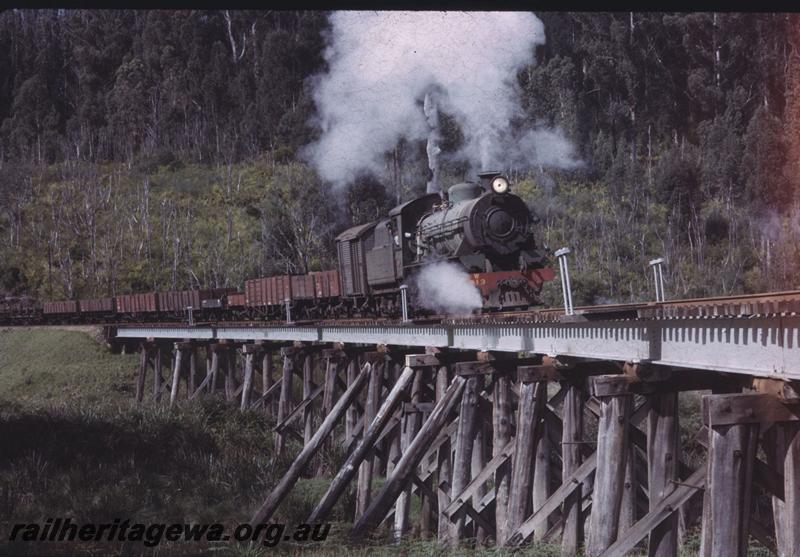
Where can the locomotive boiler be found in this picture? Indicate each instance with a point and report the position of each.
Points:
(481, 226)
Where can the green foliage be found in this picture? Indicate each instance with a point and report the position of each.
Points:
(367, 200)
(46, 366)
(106, 229)
(144, 150)
(77, 445)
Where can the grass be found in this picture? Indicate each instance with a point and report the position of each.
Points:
(75, 444)
(420, 548)
(197, 465)
(42, 367)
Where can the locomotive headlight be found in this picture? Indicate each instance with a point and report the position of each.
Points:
(500, 185)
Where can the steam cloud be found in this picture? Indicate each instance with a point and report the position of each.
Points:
(381, 65)
(445, 288)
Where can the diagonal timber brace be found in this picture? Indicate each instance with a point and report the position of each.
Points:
(363, 449)
(290, 478)
(383, 501)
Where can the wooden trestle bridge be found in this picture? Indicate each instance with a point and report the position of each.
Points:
(488, 421)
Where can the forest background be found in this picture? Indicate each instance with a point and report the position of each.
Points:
(151, 150)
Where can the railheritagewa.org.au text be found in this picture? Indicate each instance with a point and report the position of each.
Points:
(151, 535)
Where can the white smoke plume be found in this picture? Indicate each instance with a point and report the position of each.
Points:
(550, 147)
(431, 110)
(445, 288)
(381, 65)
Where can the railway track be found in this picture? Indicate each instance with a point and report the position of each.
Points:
(787, 302)
(742, 305)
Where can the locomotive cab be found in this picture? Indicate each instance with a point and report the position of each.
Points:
(394, 243)
(375, 255)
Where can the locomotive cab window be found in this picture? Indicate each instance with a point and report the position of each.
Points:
(394, 233)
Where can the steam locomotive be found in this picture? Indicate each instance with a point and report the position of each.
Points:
(481, 226)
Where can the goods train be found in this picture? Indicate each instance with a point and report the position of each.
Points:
(480, 226)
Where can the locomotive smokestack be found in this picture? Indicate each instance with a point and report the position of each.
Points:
(486, 177)
(431, 109)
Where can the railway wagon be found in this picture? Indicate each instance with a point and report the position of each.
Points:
(254, 292)
(236, 300)
(61, 307)
(278, 290)
(302, 287)
(326, 284)
(218, 298)
(18, 305)
(268, 291)
(179, 300)
(146, 302)
(19, 309)
(310, 295)
(97, 305)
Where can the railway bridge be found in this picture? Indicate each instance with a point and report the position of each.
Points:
(553, 425)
